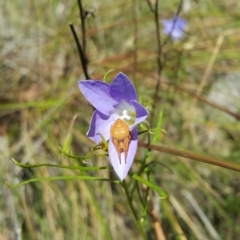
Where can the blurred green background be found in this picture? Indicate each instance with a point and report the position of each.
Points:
(39, 98)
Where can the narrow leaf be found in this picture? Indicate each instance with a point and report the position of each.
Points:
(88, 178)
(82, 168)
(67, 143)
(153, 186)
(159, 127)
(105, 76)
(80, 157)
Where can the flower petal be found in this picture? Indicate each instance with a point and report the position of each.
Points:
(97, 93)
(167, 26)
(179, 22)
(174, 27)
(141, 113)
(100, 123)
(177, 34)
(122, 89)
(122, 168)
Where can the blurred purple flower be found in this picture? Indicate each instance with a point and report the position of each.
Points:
(112, 102)
(174, 27)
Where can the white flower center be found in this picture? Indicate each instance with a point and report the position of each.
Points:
(125, 115)
(125, 112)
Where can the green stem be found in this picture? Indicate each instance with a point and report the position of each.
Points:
(124, 185)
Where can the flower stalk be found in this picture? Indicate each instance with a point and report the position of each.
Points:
(129, 198)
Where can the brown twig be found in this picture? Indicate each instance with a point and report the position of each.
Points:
(155, 221)
(193, 156)
(201, 99)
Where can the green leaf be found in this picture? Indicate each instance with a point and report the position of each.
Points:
(151, 131)
(34, 104)
(88, 178)
(81, 157)
(159, 127)
(145, 125)
(67, 143)
(82, 168)
(69, 155)
(153, 186)
(105, 76)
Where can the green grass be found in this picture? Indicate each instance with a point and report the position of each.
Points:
(39, 98)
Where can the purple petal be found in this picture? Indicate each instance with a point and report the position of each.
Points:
(167, 26)
(122, 168)
(100, 123)
(179, 22)
(122, 89)
(141, 112)
(177, 34)
(97, 93)
(174, 27)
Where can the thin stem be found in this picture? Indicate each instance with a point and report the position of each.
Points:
(82, 56)
(82, 15)
(193, 156)
(160, 46)
(135, 30)
(143, 163)
(124, 185)
(159, 52)
(150, 6)
(201, 99)
(159, 234)
(174, 22)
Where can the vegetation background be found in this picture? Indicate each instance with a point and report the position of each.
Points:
(39, 99)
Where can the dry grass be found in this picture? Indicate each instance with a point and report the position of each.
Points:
(39, 98)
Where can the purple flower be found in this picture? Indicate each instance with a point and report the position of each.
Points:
(174, 27)
(116, 117)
